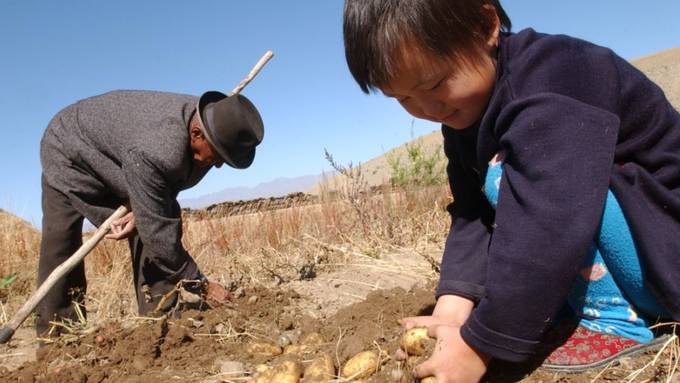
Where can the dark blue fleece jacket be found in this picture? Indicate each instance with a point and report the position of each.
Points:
(573, 120)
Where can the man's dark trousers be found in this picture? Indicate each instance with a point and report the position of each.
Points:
(62, 227)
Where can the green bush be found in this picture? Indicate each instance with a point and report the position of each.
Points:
(7, 280)
(419, 168)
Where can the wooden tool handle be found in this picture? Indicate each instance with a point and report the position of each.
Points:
(253, 72)
(59, 272)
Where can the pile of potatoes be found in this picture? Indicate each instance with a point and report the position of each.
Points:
(318, 366)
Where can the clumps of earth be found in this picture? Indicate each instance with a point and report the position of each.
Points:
(261, 337)
(264, 336)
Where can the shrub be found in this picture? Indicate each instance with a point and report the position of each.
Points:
(419, 168)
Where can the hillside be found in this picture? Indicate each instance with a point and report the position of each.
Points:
(663, 68)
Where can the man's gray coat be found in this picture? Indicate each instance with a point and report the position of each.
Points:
(128, 146)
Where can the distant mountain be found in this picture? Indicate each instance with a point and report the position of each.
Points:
(276, 188)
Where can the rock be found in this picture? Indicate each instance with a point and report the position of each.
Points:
(397, 374)
(195, 323)
(239, 293)
(230, 368)
(284, 340)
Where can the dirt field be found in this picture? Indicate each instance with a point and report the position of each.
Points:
(212, 346)
(338, 313)
(294, 285)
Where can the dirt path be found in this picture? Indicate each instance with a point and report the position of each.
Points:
(19, 350)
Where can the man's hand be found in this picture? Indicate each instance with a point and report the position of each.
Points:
(216, 295)
(123, 227)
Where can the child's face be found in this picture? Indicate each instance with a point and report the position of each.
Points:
(439, 90)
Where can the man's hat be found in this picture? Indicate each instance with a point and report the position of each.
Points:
(232, 125)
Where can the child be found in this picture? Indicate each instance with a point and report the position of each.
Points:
(564, 163)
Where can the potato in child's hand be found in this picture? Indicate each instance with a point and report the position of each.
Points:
(415, 341)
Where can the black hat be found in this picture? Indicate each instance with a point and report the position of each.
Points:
(232, 125)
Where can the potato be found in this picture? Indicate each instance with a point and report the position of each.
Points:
(260, 368)
(261, 378)
(415, 341)
(321, 370)
(287, 372)
(263, 349)
(361, 365)
(312, 339)
(298, 349)
(261, 374)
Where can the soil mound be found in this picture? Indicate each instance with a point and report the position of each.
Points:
(196, 346)
(262, 329)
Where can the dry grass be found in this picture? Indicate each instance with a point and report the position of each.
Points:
(19, 244)
(265, 248)
(291, 244)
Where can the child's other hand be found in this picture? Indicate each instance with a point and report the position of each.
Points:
(452, 360)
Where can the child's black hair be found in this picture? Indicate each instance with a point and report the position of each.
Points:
(375, 31)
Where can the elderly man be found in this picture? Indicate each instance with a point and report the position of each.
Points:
(139, 148)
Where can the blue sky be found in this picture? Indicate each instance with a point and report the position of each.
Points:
(57, 52)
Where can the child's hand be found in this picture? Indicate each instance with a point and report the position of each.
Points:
(452, 360)
(450, 310)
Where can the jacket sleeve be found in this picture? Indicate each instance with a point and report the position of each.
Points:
(463, 269)
(158, 216)
(559, 155)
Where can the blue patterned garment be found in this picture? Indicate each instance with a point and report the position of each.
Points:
(609, 294)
